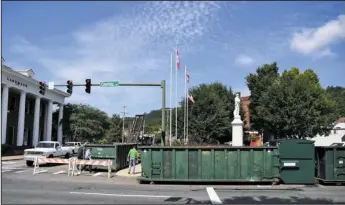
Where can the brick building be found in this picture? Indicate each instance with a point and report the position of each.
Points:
(245, 106)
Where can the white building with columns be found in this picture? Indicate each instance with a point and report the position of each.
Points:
(26, 115)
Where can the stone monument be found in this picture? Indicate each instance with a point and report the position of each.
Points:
(237, 124)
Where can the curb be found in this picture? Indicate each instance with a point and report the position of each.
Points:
(127, 176)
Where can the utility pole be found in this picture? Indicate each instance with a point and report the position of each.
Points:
(123, 123)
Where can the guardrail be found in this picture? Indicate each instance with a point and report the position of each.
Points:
(51, 160)
(72, 164)
(107, 163)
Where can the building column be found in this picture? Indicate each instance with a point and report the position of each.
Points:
(36, 121)
(4, 109)
(21, 119)
(49, 120)
(59, 135)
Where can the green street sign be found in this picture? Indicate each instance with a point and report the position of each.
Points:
(109, 84)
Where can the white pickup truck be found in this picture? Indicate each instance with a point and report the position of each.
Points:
(47, 149)
(73, 145)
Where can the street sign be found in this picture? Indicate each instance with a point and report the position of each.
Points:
(109, 84)
(51, 85)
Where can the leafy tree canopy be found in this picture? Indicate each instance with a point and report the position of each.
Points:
(210, 116)
(337, 94)
(292, 104)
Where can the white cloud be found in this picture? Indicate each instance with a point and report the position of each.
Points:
(244, 60)
(130, 48)
(318, 40)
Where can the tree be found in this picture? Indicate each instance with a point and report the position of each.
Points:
(66, 128)
(114, 133)
(293, 105)
(88, 123)
(337, 94)
(210, 116)
(258, 84)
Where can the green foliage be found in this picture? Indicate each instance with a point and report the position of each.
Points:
(291, 105)
(258, 84)
(114, 133)
(211, 115)
(89, 122)
(177, 143)
(154, 127)
(82, 122)
(337, 94)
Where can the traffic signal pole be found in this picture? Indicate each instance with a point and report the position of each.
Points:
(162, 85)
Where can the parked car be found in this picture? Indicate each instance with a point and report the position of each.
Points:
(73, 145)
(49, 149)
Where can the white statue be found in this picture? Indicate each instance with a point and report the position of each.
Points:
(237, 106)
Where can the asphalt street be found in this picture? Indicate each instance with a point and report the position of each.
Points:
(49, 188)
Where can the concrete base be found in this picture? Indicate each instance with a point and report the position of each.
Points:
(237, 132)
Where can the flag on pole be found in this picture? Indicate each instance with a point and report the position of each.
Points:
(177, 59)
(190, 97)
(187, 76)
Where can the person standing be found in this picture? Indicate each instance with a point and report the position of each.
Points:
(132, 157)
(87, 157)
(80, 155)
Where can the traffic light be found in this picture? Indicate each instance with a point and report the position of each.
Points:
(69, 87)
(42, 88)
(88, 86)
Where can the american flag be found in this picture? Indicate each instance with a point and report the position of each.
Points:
(177, 59)
(188, 76)
(190, 97)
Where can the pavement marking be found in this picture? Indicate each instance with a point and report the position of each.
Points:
(256, 198)
(8, 162)
(264, 186)
(213, 196)
(120, 195)
(41, 171)
(97, 174)
(59, 172)
(20, 171)
(10, 168)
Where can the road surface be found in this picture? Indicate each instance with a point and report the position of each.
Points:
(48, 188)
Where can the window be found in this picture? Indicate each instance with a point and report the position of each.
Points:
(12, 103)
(10, 135)
(42, 110)
(27, 107)
(26, 136)
(41, 135)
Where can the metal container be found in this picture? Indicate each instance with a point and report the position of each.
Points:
(331, 164)
(116, 152)
(297, 161)
(209, 164)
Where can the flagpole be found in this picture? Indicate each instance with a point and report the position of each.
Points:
(171, 86)
(176, 95)
(184, 110)
(187, 112)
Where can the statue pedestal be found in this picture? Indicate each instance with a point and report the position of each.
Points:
(237, 131)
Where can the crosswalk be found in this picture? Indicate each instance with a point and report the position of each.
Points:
(19, 167)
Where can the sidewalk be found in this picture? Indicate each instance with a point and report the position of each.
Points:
(124, 172)
(9, 158)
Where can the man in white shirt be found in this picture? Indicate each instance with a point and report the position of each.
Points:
(87, 156)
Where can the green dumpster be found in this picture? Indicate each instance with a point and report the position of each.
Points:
(116, 152)
(331, 164)
(297, 161)
(209, 164)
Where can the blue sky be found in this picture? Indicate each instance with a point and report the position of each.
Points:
(132, 41)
